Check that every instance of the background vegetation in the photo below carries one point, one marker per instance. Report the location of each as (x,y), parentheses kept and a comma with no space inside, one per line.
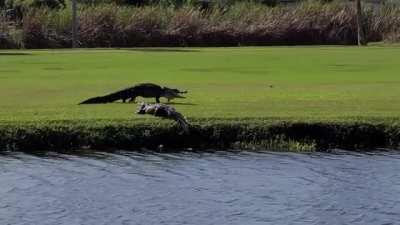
(234,24)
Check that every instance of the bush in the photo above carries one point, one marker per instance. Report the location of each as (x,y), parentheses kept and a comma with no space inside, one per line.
(25,4)
(40,30)
(4,32)
(204,134)
(21,6)
(100,27)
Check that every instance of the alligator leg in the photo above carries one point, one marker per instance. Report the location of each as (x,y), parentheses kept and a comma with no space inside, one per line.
(133,99)
(158,99)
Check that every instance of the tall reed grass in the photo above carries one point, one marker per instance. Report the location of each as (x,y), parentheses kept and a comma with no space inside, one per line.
(243,23)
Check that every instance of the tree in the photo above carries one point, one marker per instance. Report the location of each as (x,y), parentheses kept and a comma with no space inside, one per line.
(74,25)
(360,28)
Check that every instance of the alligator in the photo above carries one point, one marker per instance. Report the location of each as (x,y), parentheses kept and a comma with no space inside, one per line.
(164,111)
(147,90)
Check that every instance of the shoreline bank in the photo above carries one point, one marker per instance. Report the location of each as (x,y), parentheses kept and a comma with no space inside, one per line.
(212,134)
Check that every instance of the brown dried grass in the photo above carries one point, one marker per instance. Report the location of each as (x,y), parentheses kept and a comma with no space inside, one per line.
(110,25)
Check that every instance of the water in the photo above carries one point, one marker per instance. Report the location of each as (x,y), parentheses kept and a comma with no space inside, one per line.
(193,188)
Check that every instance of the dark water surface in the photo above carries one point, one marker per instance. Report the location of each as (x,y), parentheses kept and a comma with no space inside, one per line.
(192,188)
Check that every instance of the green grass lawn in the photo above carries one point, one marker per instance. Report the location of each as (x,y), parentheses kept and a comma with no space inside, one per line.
(254,82)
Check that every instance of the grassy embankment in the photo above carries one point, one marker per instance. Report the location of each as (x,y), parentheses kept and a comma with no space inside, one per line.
(282,98)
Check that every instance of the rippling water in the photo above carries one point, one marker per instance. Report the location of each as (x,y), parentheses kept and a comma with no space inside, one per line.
(193,188)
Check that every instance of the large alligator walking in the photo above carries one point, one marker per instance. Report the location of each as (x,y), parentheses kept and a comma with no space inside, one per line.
(164,111)
(146,90)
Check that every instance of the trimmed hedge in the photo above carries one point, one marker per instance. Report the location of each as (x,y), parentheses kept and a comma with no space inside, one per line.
(224,134)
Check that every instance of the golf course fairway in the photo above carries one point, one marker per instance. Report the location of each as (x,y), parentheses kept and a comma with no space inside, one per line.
(251,89)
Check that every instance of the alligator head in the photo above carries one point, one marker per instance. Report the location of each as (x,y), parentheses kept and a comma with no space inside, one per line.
(145,108)
(141,108)
(170,93)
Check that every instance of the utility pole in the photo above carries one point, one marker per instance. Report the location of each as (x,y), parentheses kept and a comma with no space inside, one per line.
(360,30)
(74,24)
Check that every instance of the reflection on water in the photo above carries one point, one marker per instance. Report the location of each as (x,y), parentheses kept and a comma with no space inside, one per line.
(194,188)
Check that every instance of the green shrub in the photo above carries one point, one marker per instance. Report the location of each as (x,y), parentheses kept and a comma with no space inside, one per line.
(44,28)
(22,5)
(218,134)
(54,4)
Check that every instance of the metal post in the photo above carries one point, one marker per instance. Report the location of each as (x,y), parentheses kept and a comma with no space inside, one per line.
(74,24)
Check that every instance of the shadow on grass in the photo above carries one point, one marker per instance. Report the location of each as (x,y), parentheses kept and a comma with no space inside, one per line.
(14,54)
(54,68)
(162,50)
(149,102)
(138,103)
(9,71)
(179,103)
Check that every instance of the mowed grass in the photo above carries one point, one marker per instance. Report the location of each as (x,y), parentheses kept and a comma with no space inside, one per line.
(252,82)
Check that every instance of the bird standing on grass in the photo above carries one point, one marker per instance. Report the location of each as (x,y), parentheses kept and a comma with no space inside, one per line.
(164,111)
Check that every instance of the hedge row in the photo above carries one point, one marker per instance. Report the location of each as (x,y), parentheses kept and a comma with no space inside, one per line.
(165,136)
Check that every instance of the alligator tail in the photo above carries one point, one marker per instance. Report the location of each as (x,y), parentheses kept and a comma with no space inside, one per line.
(103,99)
(183,123)
(95,100)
